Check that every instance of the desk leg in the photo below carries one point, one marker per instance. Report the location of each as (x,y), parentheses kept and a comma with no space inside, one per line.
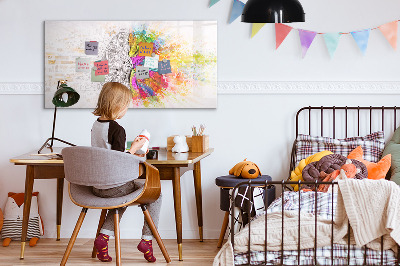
(60,190)
(176,182)
(27,206)
(199,204)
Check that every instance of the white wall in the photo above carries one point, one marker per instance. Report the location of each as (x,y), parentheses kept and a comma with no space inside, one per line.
(257,127)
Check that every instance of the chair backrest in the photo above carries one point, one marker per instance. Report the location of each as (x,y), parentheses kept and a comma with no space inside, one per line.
(92,166)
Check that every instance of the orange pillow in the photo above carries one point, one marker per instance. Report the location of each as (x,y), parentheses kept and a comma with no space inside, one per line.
(375,170)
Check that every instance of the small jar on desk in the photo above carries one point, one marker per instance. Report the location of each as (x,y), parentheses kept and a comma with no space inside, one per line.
(228,182)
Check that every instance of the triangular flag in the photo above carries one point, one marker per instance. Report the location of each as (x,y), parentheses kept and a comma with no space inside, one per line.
(332,41)
(237,9)
(255,28)
(213,2)
(281,31)
(306,39)
(390,32)
(361,37)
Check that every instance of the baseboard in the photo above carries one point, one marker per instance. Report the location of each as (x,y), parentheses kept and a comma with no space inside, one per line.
(258,87)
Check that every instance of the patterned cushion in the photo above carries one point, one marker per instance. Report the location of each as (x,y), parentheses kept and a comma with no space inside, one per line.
(372,144)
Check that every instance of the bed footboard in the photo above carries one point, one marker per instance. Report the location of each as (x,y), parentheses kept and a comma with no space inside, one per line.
(379,257)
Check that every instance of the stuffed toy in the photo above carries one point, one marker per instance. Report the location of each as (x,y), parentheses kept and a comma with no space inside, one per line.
(13,215)
(245,169)
(296,174)
(180,144)
(375,170)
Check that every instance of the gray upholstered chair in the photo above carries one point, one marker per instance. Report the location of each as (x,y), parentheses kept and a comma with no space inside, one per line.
(85,167)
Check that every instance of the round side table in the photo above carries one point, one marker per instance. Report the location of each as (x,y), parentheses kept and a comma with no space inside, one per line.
(228,182)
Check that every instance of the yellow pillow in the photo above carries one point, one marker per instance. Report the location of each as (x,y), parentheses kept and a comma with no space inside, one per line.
(296,174)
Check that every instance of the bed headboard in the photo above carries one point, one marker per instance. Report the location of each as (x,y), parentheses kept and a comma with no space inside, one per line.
(347,116)
(344,121)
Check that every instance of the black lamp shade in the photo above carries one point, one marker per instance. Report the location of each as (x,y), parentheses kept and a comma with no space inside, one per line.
(273,11)
(60,101)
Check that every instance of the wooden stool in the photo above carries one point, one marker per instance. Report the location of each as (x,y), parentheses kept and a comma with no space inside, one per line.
(226,183)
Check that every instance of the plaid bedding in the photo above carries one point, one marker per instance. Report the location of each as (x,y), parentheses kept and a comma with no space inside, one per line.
(372,145)
(324,257)
(323,207)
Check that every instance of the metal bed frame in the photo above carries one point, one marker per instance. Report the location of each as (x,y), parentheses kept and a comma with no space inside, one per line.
(283,184)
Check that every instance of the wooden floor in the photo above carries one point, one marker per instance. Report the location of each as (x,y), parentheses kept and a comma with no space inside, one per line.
(50,252)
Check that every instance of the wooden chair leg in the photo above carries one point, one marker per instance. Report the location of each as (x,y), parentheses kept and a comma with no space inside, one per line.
(154,230)
(223,229)
(73,237)
(117,239)
(101,222)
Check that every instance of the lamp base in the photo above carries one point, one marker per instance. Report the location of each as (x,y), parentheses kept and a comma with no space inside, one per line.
(50,146)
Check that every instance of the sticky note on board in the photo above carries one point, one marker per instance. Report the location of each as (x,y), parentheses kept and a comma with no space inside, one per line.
(82,65)
(145,48)
(100,78)
(91,48)
(102,67)
(151,61)
(142,72)
(164,67)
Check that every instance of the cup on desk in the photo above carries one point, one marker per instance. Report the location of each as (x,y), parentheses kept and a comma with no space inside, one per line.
(152,155)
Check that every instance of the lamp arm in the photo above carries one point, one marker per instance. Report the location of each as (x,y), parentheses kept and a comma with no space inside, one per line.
(54,126)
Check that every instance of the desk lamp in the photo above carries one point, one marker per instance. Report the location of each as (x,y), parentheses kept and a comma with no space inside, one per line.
(63,97)
(273,11)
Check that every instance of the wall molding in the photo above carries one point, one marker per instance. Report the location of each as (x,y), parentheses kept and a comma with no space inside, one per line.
(22,88)
(259,87)
(309,87)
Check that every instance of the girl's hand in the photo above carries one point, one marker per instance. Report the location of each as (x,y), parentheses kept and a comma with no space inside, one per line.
(137,144)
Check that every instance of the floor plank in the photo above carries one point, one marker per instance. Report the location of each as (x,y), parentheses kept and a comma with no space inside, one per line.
(49,252)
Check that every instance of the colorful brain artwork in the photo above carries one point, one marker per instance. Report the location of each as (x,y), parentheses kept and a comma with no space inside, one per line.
(156,86)
(166,64)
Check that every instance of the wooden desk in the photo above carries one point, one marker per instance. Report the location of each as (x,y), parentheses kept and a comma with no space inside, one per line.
(171,167)
(40,167)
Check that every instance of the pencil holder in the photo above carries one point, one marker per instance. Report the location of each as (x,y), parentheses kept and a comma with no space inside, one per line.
(200,143)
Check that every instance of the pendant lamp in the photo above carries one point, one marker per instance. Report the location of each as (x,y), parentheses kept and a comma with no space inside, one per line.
(272,11)
(64,96)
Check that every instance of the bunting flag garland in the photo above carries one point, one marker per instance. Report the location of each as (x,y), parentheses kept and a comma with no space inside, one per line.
(281,31)
(389,30)
(332,41)
(361,37)
(237,8)
(255,28)
(306,39)
(213,2)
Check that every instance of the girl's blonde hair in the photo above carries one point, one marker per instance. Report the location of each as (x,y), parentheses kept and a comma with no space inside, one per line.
(113,98)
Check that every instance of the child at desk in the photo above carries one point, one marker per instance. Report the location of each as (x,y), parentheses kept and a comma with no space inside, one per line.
(112,104)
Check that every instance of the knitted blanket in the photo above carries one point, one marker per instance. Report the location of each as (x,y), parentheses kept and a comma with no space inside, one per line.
(274,235)
(371,207)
